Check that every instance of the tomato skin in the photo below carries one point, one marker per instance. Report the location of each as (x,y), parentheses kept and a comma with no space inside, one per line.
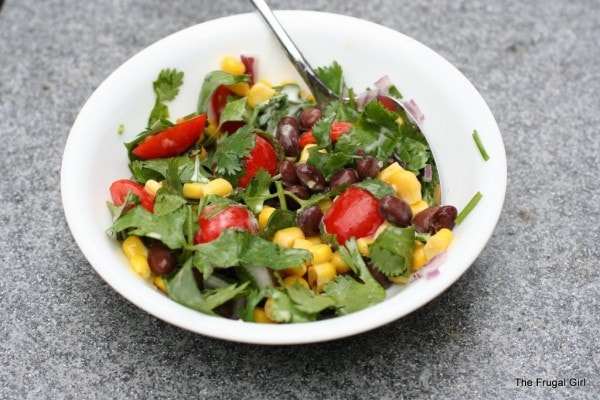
(353,213)
(122,187)
(218,100)
(233,216)
(337,129)
(388,104)
(263,155)
(171,141)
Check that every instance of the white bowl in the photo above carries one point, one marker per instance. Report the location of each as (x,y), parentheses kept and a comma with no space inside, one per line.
(95,156)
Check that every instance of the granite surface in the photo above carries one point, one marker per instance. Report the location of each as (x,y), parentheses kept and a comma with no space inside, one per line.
(527,309)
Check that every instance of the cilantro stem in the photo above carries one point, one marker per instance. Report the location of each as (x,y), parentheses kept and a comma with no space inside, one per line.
(468,208)
(281,195)
(479,144)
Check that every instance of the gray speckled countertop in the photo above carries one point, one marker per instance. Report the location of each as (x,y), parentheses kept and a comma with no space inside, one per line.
(528,307)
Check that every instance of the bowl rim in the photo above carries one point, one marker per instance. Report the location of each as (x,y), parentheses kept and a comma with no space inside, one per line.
(169,311)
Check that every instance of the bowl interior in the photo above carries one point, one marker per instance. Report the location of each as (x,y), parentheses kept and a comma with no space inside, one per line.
(95,156)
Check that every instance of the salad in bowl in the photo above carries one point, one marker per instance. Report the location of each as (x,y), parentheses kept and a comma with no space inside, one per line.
(239,209)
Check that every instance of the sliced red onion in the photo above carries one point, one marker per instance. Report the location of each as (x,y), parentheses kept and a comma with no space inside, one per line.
(366,97)
(262,276)
(248,62)
(427,173)
(383,84)
(414,111)
(431,269)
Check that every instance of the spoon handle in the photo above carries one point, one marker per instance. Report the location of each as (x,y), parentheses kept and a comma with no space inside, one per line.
(321,92)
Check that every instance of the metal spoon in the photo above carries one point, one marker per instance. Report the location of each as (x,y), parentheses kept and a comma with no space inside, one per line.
(319,90)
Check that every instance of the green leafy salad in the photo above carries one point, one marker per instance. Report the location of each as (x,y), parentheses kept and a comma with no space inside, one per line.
(261,205)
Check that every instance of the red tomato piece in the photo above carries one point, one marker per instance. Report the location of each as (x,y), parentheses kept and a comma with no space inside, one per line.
(233,216)
(306,138)
(122,187)
(172,141)
(263,155)
(353,213)
(218,101)
(388,104)
(339,128)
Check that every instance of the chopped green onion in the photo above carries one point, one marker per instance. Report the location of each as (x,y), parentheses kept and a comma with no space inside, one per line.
(468,208)
(121,129)
(477,139)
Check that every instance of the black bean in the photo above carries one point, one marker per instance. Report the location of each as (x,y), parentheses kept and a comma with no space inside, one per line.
(287,134)
(309,220)
(395,211)
(308,117)
(367,167)
(422,220)
(287,170)
(299,191)
(345,176)
(160,259)
(311,177)
(443,218)
(379,276)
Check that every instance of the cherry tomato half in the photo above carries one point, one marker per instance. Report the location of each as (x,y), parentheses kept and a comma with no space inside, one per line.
(172,141)
(263,155)
(233,216)
(353,213)
(122,187)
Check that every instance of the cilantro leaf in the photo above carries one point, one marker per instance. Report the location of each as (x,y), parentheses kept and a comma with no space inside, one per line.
(349,294)
(308,301)
(329,163)
(166,87)
(183,289)
(414,153)
(391,253)
(230,151)
(234,110)
(257,191)
(212,81)
(167,228)
(284,309)
(376,187)
(321,131)
(332,77)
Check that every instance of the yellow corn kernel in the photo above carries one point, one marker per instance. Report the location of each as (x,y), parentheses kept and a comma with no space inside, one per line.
(363,245)
(291,281)
(152,186)
(160,284)
(232,65)
(398,280)
(314,239)
(212,129)
(320,274)
(388,171)
(321,253)
(240,88)
(418,207)
(418,256)
(140,266)
(218,186)
(325,205)
(133,246)
(261,317)
(338,262)
(258,93)
(285,237)
(438,243)
(193,190)
(203,154)
(407,186)
(269,309)
(264,215)
(302,244)
(294,271)
(266,83)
